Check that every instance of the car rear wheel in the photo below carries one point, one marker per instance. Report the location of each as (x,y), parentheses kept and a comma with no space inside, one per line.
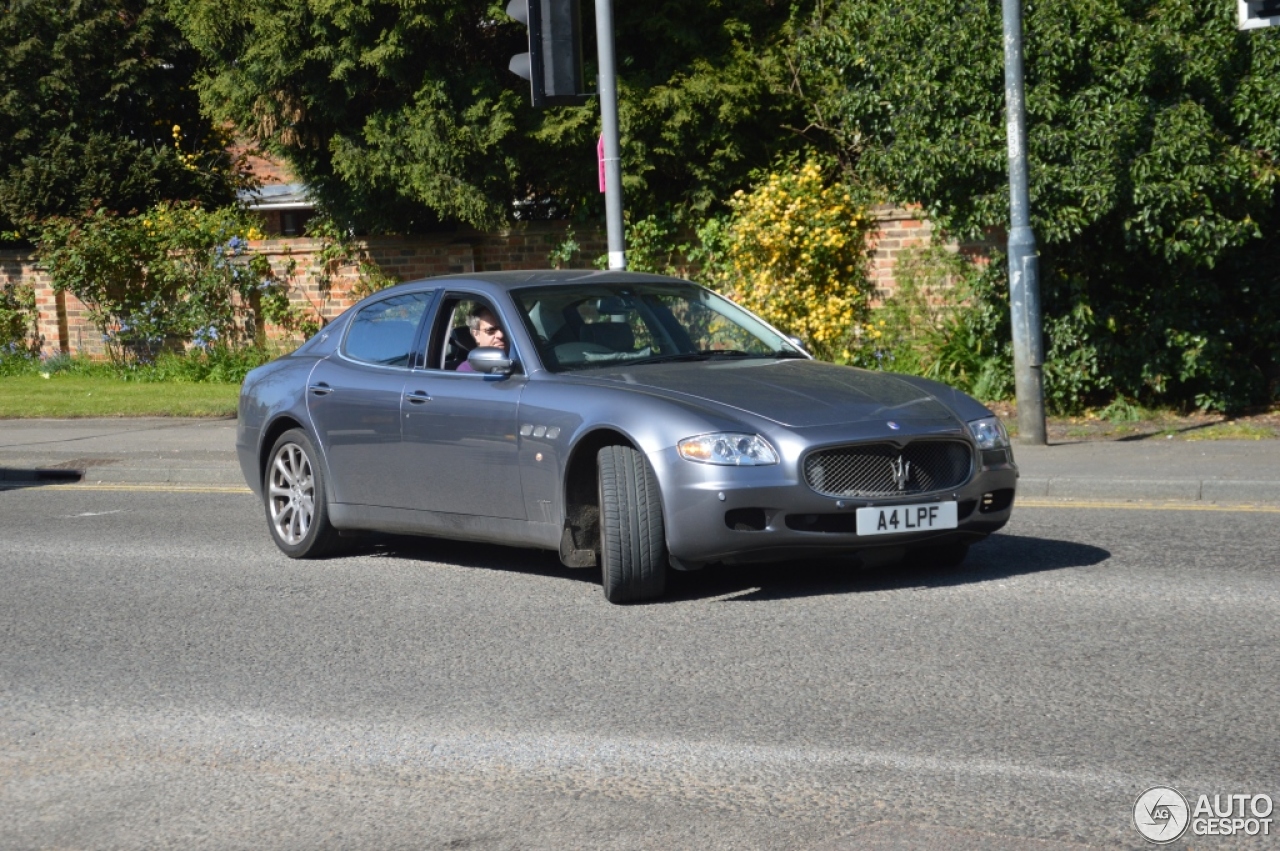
(633,542)
(294,492)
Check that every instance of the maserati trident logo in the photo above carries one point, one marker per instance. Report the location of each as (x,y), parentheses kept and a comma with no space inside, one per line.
(901,472)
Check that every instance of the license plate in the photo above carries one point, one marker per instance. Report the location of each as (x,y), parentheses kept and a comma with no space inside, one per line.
(896,519)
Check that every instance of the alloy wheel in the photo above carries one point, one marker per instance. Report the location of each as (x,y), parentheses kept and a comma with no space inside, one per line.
(291,493)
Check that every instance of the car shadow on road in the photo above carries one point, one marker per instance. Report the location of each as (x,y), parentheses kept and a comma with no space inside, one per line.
(12,478)
(471,554)
(999,557)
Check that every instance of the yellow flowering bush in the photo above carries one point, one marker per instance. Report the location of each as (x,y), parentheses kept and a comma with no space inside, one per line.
(795,252)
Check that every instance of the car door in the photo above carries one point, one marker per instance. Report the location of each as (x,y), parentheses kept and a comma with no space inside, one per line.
(354,398)
(460,431)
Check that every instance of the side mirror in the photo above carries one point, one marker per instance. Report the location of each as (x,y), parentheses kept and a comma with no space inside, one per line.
(489,360)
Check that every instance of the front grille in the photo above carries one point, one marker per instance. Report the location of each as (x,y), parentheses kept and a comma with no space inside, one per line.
(882,469)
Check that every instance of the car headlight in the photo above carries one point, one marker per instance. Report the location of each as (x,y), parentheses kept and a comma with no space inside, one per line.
(742,450)
(990,433)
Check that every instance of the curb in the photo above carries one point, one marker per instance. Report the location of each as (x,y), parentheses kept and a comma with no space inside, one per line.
(163,475)
(1177,490)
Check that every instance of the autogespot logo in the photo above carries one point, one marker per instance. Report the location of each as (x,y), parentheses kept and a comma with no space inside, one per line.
(1160,814)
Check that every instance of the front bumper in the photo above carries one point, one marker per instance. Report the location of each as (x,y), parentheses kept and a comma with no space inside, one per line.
(749,514)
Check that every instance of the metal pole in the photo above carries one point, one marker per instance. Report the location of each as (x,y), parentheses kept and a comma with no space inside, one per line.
(609,128)
(1024,264)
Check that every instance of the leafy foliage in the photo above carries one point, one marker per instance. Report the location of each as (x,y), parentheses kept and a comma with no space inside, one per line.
(701,107)
(402,116)
(96,112)
(1154,128)
(339,248)
(158,280)
(654,244)
(947,320)
(794,251)
(215,364)
(17,318)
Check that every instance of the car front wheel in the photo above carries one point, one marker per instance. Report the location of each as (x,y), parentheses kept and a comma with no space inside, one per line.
(633,543)
(294,492)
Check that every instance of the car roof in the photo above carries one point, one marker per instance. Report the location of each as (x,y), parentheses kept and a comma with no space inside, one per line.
(537,277)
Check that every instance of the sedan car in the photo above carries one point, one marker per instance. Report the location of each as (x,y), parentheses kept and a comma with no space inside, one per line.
(635,422)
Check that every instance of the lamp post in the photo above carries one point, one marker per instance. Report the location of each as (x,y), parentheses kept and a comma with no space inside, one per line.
(612,160)
(1024,263)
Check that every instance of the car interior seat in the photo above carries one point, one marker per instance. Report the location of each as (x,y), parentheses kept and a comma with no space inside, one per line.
(614,336)
(458,347)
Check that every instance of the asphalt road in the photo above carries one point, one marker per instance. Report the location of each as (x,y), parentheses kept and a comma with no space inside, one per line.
(168,680)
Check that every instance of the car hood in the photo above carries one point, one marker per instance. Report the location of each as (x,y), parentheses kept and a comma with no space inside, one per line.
(793,393)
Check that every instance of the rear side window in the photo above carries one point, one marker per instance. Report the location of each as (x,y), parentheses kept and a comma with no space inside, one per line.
(382,333)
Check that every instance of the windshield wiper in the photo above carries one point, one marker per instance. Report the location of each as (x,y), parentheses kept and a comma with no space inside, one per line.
(738,353)
(709,354)
(669,358)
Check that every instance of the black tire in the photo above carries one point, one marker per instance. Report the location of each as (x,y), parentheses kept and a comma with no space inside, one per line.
(294,494)
(633,540)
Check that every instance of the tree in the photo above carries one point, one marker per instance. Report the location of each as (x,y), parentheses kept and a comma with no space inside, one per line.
(701,109)
(96,112)
(1154,130)
(403,116)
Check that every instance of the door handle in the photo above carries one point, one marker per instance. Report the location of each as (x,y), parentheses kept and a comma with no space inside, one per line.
(320,389)
(417,397)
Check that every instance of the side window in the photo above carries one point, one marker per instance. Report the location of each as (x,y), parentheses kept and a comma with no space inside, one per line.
(452,339)
(382,333)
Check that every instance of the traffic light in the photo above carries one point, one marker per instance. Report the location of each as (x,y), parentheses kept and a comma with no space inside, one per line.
(1255,14)
(553,65)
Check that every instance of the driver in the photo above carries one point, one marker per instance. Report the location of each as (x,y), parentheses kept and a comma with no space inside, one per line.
(486,331)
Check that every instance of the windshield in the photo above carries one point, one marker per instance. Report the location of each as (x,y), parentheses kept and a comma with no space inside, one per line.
(601,324)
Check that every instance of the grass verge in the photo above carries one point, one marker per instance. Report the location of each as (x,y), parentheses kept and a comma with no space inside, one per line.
(1153,425)
(29,396)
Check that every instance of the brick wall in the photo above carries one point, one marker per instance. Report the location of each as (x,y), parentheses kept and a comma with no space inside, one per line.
(408,258)
(19,267)
(899,230)
(64,325)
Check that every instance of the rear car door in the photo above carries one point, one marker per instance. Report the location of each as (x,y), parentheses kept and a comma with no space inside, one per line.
(354,398)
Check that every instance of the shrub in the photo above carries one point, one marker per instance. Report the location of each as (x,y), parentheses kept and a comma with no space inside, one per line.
(215,364)
(339,248)
(170,276)
(794,250)
(18,334)
(948,320)
(1153,140)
